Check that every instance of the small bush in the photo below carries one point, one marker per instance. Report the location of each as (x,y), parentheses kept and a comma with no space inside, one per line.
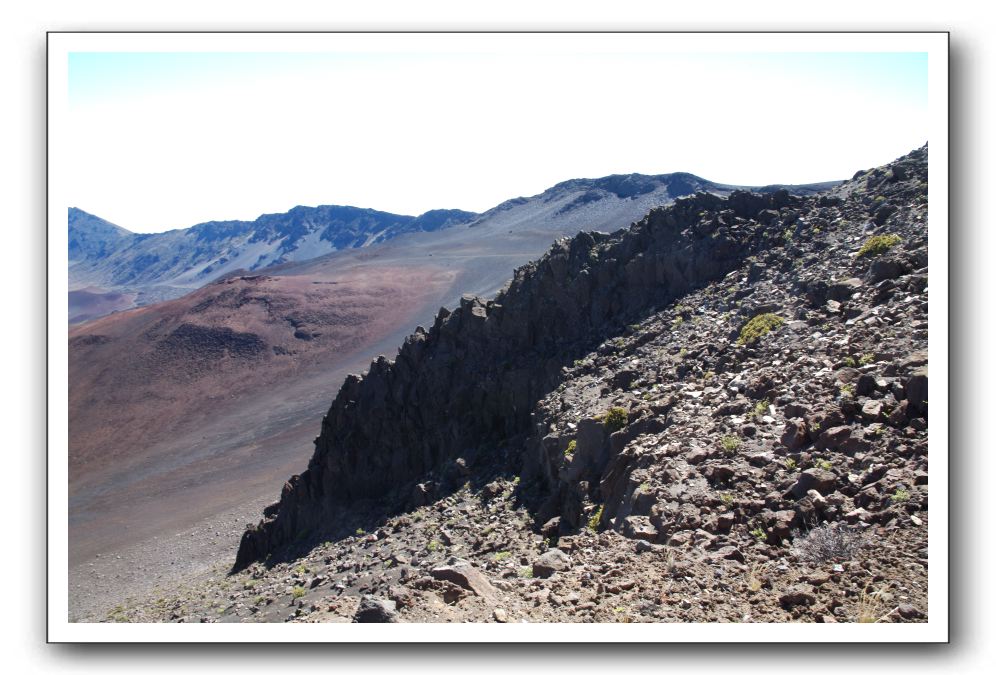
(502,556)
(595,520)
(880,243)
(615,419)
(730,444)
(755,577)
(571,447)
(901,496)
(298,591)
(761,408)
(758,327)
(871,606)
(826,544)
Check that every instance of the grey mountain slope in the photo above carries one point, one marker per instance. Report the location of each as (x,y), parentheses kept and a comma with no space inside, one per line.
(91,237)
(189,258)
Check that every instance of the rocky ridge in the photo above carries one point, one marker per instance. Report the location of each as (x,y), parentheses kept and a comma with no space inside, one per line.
(613,438)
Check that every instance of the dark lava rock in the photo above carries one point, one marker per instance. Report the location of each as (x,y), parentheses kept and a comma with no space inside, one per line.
(376,610)
(813,479)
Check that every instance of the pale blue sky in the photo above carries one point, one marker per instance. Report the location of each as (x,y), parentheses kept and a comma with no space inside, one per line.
(166,140)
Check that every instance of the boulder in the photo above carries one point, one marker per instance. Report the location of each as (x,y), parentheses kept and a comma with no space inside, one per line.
(376,610)
(550,562)
(813,479)
(799,594)
(639,527)
(465,575)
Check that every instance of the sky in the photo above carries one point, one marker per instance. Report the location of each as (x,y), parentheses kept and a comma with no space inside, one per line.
(164,140)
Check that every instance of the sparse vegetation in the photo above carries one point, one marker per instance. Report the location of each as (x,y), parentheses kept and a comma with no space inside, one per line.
(827,543)
(595,519)
(760,409)
(758,327)
(866,359)
(502,556)
(755,580)
(901,496)
(298,592)
(871,606)
(878,244)
(730,444)
(759,533)
(790,464)
(571,447)
(526,572)
(615,419)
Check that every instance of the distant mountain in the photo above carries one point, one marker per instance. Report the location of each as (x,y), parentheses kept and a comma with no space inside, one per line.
(141,269)
(109,257)
(93,238)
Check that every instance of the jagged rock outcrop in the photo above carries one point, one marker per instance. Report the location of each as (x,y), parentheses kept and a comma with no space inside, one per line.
(467,385)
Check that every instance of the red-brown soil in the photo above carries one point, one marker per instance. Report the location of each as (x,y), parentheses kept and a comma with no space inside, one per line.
(194,405)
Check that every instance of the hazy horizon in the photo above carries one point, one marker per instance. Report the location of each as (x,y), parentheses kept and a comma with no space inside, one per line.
(164,140)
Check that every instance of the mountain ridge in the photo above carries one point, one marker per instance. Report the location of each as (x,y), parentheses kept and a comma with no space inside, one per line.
(153,267)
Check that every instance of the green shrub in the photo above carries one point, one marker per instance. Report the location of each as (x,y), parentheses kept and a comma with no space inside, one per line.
(758,327)
(880,243)
(615,419)
(571,447)
(501,556)
(761,408)
(298,591)
(730,444)
(595,519)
